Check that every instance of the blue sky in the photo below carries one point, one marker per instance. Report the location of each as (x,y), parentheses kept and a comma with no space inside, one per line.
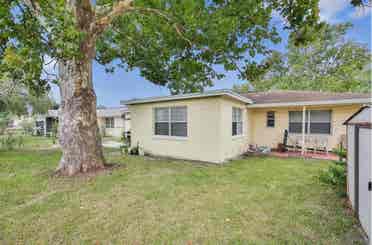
(111,88)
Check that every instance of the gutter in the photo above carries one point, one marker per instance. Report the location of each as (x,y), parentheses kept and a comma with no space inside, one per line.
(309,103)
(211,93)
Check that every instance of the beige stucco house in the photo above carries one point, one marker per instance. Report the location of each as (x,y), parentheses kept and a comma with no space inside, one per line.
(215,126)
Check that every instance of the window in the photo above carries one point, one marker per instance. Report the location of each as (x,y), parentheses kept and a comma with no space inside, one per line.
(316,122)
(127,116)
(270,119)
(109,122)
(171,121)
(237,121)
(320,122)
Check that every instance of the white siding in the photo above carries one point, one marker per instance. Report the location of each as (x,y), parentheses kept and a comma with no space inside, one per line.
(350,163)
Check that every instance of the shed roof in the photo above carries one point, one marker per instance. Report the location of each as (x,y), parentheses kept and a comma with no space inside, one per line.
(362,117)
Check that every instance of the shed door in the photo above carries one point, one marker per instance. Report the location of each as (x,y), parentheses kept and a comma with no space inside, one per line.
(350,163)
(364,177)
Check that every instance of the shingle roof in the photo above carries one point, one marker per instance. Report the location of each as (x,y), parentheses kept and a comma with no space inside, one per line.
(208,93)
(287,96)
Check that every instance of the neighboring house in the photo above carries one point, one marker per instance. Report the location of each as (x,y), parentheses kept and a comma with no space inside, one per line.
(114,121)
(215,126)
(111,121)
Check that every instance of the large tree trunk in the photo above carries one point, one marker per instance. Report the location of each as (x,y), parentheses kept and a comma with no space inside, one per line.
(78,133)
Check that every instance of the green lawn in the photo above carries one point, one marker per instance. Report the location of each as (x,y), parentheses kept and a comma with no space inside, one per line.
(145,201)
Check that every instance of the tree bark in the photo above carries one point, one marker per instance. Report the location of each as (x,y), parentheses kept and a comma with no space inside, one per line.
(78,133)
(78,128)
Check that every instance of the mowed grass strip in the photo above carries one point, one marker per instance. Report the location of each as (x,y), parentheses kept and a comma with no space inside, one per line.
(147,201)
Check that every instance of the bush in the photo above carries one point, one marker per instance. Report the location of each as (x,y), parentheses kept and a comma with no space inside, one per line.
(10,141)
(28,126)
(4,120)
(335,176)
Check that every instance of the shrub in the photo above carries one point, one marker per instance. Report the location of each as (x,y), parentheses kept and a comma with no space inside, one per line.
(8,141)
(28,126)
(4,120)
(335,176)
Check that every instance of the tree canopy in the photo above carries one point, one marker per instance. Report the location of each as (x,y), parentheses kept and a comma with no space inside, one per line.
(16,99)
(173,43)
(329,63)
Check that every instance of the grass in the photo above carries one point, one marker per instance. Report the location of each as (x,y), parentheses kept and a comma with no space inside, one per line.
(147,201)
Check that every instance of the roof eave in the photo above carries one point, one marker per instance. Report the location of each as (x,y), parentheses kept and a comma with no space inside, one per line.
(188,96)
(308,103)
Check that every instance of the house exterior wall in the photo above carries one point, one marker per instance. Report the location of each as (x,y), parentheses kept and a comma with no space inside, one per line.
(233,146)
(265,136)
(203,130)
(117,131)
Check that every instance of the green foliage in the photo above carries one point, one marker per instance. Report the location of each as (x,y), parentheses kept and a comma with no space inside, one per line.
(54,132)
(10,141)
(173,43)
(4,120)
(335,176)
(28,126)
(329,63)
(341,152)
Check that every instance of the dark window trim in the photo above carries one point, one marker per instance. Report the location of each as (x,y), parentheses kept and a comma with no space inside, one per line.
(270,119)
(110,123)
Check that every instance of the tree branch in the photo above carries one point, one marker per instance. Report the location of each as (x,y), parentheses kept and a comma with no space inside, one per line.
(118,9)
(123,7)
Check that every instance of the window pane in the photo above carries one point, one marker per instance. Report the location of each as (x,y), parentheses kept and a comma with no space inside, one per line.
(109,122)
(161,114)
(179,129)
(297,128)
(161,128)
(239,129)
(178,114)
(234,128)
(295,116)
(237,115)
(320,128)
(270,121)
(320,116)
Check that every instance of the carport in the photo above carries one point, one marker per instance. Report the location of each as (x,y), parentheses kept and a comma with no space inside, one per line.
(359,170)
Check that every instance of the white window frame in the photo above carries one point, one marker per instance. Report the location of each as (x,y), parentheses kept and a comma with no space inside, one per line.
(112,123)
(241,122)
(308,122)
(169,121)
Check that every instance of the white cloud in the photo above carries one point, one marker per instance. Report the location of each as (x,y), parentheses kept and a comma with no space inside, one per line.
(360,12)
(329,9)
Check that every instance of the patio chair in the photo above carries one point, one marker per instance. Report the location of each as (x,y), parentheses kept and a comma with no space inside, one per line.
(292,143)
(323,144)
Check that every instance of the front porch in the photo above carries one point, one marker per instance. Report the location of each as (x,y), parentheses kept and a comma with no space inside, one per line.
(310,155)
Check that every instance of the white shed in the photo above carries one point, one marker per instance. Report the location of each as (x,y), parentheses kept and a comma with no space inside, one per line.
(359,166)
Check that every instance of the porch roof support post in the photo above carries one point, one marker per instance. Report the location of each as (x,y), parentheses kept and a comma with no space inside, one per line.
(303,129)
